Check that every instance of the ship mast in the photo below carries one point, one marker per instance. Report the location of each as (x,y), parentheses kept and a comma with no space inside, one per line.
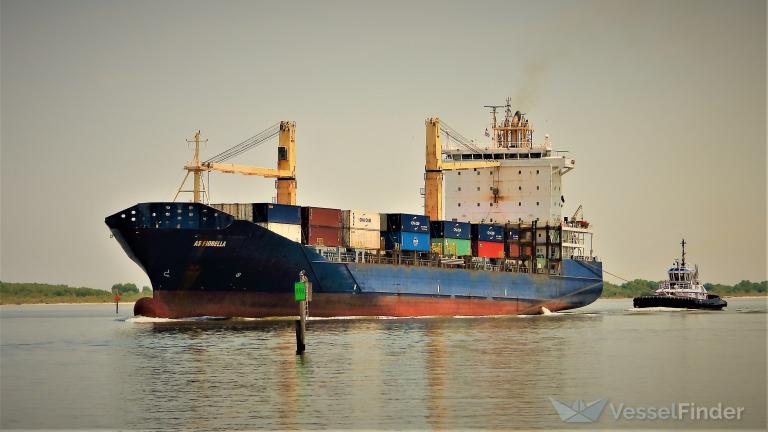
(196,169)
(682,243)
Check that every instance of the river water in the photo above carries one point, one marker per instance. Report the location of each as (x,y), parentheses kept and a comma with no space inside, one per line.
(82,366)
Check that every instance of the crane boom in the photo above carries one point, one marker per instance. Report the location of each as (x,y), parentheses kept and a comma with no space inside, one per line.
(285,173)
(247,170)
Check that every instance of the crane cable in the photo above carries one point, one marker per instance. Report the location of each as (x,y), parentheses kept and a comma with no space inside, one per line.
(616,276)
(459,138)
(254,141)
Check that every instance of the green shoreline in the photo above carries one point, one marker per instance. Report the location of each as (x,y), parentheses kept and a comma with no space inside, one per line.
(22,293)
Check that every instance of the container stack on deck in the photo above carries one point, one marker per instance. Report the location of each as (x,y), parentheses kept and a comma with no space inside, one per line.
(321,226)
(240,211)
(279,218)
(407,232)
(361,230)
(487,241)
(525,246)
(451,238)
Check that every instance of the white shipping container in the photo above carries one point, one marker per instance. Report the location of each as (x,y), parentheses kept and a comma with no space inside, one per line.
(360,219)
(289,231)
(361,238)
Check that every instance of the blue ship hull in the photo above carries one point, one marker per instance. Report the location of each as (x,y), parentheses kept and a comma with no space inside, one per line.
(224,267)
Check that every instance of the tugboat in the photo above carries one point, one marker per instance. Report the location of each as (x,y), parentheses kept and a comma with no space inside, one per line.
(683,290)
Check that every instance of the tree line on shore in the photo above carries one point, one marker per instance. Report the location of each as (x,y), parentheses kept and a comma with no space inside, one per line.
(32,292)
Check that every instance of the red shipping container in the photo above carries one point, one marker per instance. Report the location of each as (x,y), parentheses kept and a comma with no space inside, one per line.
(318,216)
(514,250)
(321,236)
(484,249)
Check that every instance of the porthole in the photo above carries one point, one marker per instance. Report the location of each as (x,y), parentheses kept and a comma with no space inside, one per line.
(478,204)
(122,215)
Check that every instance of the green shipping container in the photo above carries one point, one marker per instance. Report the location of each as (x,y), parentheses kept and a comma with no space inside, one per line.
(449,246)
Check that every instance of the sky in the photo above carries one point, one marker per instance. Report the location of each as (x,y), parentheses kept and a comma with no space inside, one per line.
(661,103)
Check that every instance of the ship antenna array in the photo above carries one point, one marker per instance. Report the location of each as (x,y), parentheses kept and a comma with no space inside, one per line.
(254,141)
(459,138)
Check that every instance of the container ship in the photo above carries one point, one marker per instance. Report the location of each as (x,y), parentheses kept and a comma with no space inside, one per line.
(492,239)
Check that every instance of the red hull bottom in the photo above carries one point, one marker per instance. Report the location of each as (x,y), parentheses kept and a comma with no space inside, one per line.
(181,304)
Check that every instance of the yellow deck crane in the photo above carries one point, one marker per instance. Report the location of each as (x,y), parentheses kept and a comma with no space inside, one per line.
(285,173)
(435,165)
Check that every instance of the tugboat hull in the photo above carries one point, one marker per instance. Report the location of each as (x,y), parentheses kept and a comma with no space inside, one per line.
(713,302)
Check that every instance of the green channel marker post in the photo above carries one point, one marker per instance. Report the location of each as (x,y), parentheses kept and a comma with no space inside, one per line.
(303,295)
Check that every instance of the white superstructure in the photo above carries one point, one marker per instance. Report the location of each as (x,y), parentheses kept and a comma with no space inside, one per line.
(526,186)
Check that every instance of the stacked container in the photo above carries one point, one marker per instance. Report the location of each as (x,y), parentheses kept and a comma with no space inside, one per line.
(518,239)
(243,211)
(361,230)
(451,238)
(488,241)
(321,226)
(406,232)
(279,218)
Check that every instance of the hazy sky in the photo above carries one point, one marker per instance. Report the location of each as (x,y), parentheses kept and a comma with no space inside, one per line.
(662,104)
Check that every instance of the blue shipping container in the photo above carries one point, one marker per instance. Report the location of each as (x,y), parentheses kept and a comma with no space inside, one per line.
(277,213)
(450,229)
(488,233)
(408,241)
(407,223)
(513,234)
